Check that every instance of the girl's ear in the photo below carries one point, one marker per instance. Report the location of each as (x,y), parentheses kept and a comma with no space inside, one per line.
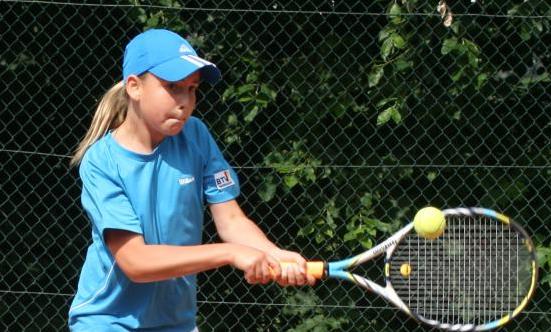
(133,87)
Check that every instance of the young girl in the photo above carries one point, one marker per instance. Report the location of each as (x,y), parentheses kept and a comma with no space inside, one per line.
(147,167)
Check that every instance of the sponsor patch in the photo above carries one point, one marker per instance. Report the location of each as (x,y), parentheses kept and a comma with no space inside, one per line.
(223,179)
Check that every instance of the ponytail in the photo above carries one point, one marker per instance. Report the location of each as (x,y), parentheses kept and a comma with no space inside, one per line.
(110,114)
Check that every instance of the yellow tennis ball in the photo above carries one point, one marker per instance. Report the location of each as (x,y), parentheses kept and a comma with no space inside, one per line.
(429,222)
(405,270)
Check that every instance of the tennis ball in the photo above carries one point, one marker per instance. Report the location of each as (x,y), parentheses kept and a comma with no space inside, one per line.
(429,222)
(405,270)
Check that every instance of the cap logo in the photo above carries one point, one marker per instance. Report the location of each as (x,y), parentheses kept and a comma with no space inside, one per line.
(185,49)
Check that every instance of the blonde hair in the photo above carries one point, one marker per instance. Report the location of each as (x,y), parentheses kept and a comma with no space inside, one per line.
(110,114)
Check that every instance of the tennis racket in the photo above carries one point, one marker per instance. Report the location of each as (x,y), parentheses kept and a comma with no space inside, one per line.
(477,276)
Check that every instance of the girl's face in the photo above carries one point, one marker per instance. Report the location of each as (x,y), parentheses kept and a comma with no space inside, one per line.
(166,106)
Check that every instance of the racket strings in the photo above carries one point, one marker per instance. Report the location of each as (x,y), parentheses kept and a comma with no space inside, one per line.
(477,272)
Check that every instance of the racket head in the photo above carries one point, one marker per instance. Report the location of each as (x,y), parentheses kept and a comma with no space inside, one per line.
(477,276)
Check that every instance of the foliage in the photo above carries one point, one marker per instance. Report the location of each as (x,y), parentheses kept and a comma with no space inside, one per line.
(307,304)
(544,261)
(394,86)
(253,95)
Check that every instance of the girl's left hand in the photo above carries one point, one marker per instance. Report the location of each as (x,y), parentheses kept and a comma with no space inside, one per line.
(292,274)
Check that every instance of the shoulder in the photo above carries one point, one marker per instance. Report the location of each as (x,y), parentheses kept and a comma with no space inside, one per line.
(197,132)
(194,126)
(98,157)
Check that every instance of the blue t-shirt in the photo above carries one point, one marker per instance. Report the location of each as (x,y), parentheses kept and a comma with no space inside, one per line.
(161,196)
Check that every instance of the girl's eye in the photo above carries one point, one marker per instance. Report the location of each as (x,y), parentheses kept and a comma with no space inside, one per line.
(178,88)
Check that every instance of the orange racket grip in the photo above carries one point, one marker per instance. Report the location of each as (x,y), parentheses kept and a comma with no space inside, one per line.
(315,269)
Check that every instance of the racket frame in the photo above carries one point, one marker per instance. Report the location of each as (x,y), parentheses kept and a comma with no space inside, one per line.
(339,270)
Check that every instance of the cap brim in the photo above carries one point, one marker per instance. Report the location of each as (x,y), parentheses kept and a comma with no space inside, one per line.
(179,68)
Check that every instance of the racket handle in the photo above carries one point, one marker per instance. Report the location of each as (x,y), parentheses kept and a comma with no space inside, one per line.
(316,269)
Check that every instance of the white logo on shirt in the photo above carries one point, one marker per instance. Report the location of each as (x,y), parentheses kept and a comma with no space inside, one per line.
(223,179)
(186,180)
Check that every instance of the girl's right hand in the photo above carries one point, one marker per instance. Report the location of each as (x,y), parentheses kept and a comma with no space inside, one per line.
(258,266)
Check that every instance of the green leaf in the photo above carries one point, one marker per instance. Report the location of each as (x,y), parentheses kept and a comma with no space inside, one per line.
(246,88)
(267,190)
(310,174)
(228,93)
(525,33)
(252,77)
(546,279)
(153,21)
(385,101)
(456,115)
(458,74)
(398,41)
(449,45)
(290,181)
(232,138)
(375,76)
(396,116)
(232,119)
(384,116)
(245,99)
(395,9)
(385,33)
(480,80)
(402,64)
(390,113)
(251,115)
(543,255)
(268,92)
(395,14)
(367,200)
(533,79)
(350,236)
(307,230)
(387,48)
(473,60)
(367,243)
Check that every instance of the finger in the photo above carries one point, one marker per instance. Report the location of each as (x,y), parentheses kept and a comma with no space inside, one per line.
(259,272)
(310,280)
(275,270)
(300,275)
(267,272)
(299,270)
(284,281)
(291,274)
(249,277)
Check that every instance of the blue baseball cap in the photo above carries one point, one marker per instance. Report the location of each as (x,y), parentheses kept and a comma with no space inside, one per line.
(166,55)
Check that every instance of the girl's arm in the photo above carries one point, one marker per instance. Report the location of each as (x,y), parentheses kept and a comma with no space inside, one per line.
(147,263)
(233,226)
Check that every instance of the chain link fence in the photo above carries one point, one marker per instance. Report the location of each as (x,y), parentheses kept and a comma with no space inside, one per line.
(342,118)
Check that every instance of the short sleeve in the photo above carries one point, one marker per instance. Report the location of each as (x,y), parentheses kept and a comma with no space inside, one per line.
(220,182)
(105,201)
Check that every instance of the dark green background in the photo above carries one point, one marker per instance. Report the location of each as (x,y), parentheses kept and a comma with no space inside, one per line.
(341,118)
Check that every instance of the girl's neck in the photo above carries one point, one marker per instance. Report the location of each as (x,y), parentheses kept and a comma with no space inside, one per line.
(136,136)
